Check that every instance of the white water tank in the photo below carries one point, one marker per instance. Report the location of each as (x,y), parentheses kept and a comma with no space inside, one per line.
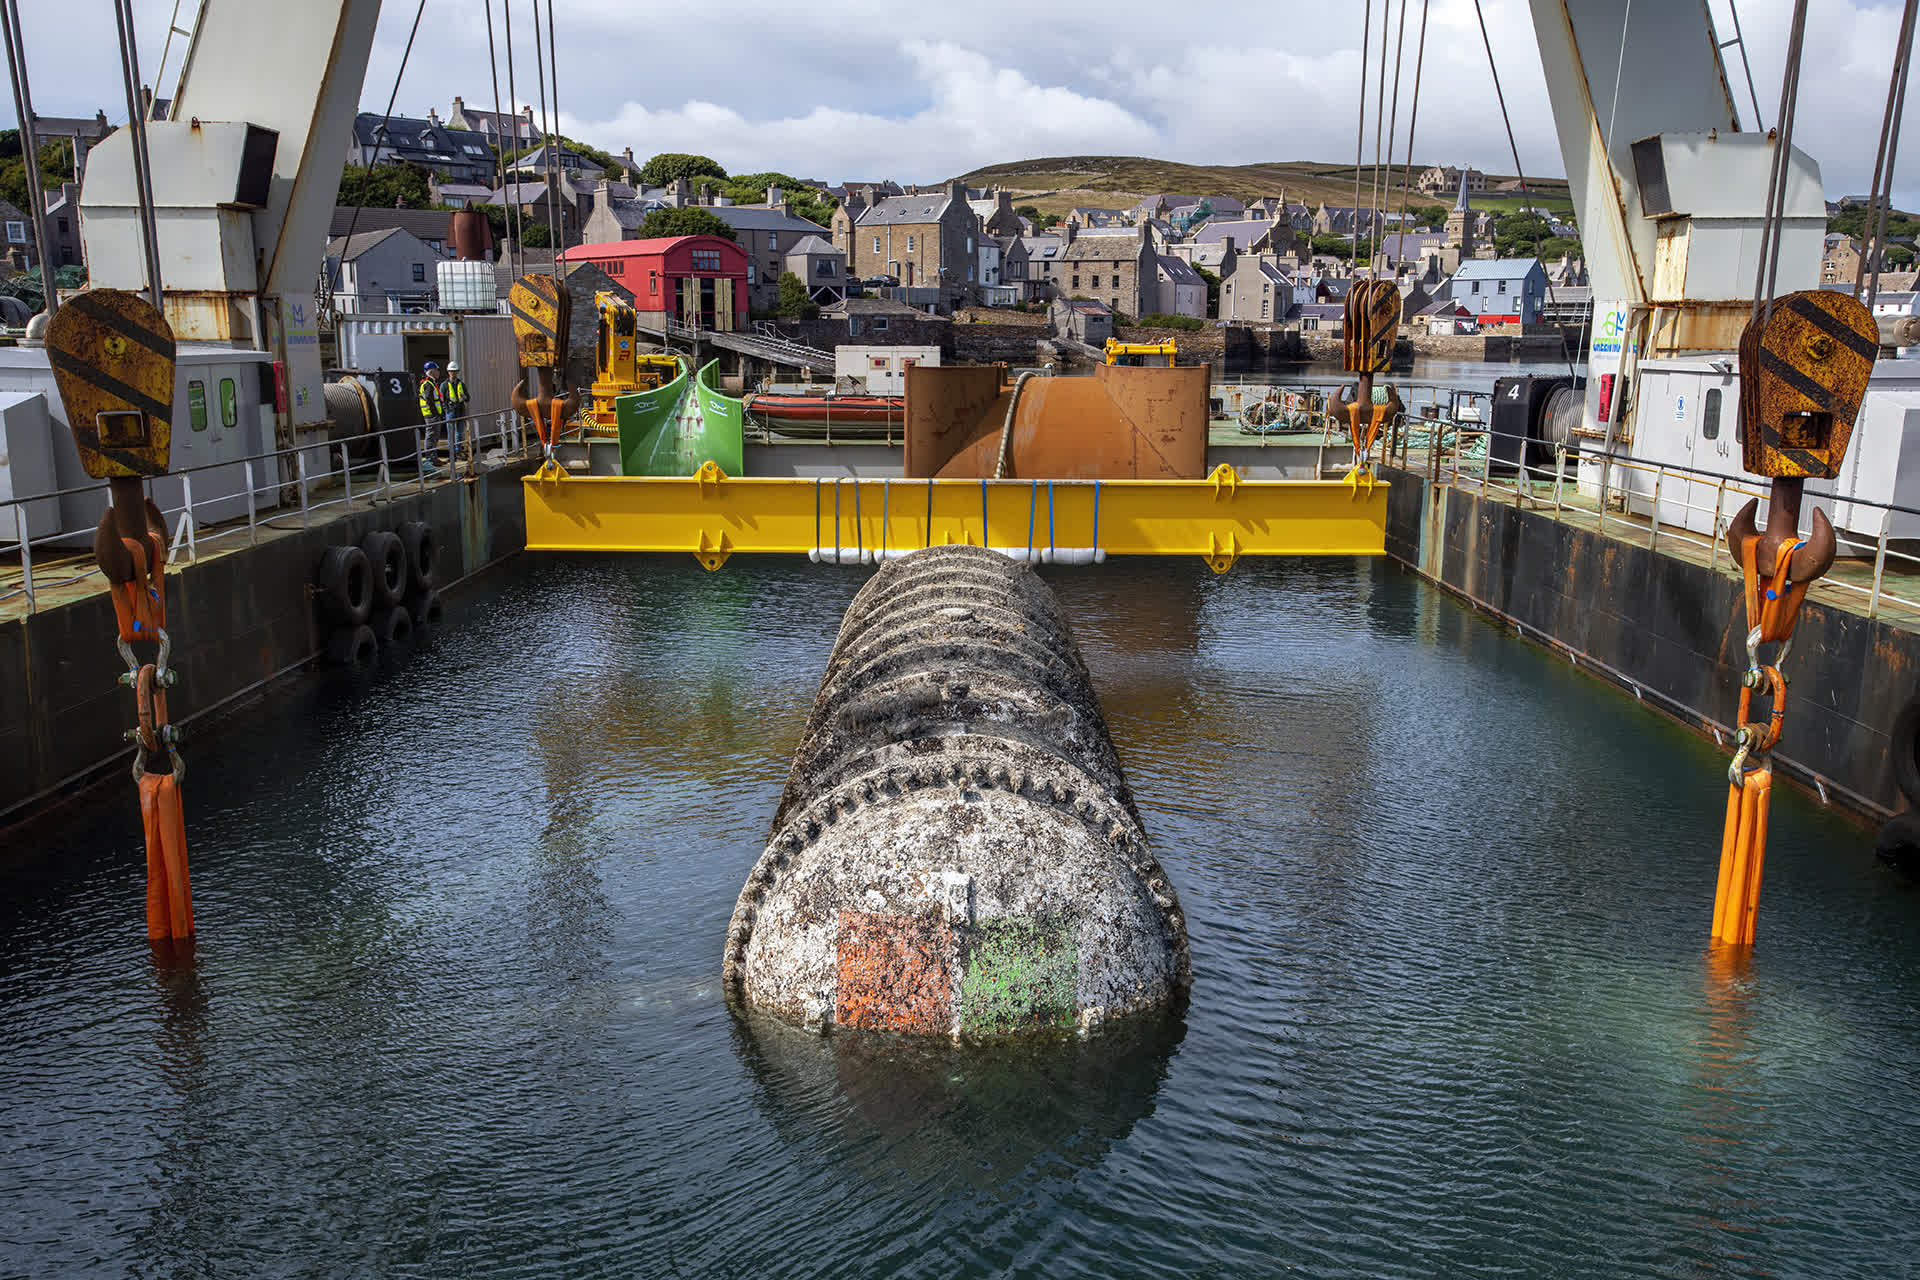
(466,286)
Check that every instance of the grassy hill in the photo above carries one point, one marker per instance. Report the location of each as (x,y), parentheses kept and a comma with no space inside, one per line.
(1058,183)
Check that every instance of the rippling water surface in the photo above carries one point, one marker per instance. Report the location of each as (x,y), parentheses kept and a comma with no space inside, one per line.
(457,1009)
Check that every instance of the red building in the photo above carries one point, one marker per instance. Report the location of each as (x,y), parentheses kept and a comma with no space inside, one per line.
(696,280)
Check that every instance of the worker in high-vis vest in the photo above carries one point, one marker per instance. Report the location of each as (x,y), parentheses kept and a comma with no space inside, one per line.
(433,410)
(453,395)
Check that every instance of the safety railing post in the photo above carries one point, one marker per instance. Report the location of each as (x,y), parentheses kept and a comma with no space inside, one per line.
(420,461)
(300,468)
(1879,563)
(1653,523)
(386,477)
(26,556)
(346,477)
(193,528)
(253,519)
(1486,464)
(1719,505)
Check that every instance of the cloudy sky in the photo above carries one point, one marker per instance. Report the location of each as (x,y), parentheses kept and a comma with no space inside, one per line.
(862,89)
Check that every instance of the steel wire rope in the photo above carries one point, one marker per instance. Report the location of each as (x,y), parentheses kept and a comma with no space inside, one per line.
(1500,96)
(517,218)
(500,145)
(1413,115)
(1360,134)
(333,278)
(1378,213)
(1379,118)
(553,73)
(1879,200)
(556,231)
(1767,272)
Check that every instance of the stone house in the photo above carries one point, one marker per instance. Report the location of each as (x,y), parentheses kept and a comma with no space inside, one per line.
(430,226)
(768,232)
(1260,291)
(389,270)
(994,208)
(1120,271)
(519,131)
(63,226)
(462,155)
(1444,179)
(820,266)
(1179,290)
(1501,290)
(16,235)
(1841,259)
(927,239)
(1248,235)
(1043,263)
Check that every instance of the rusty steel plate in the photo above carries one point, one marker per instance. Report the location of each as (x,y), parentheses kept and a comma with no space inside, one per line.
(1803,375)
(539,320)
(1372,324)
(112,354)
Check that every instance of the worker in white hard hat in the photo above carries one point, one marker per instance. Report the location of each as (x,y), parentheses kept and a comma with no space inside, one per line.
(453,391)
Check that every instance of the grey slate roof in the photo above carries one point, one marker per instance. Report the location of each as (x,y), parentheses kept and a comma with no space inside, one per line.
(347,248)
(1102,249)
(814,244)
(752,217)
(1042,248)
(421,141)
(1244,232)
(1497,268)
(428,224)
(907,210)
(1179,272)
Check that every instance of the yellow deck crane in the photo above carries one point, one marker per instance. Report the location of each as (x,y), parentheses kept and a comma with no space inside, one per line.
(619,369)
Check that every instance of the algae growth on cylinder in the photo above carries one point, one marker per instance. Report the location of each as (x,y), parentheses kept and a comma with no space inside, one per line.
(956,851)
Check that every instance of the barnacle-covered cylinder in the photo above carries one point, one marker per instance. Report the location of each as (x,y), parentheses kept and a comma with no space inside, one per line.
(956,851)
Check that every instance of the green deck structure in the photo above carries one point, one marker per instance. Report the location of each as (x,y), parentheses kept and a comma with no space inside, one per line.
(672,430)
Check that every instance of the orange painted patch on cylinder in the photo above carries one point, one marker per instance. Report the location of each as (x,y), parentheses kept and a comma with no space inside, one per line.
(893,973)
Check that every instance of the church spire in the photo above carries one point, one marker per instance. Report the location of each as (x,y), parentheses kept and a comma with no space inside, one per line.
(1461,203)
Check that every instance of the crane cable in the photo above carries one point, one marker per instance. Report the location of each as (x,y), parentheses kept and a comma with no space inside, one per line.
(1880,199)
(517,224)
(555,227)
(1379,119)
(1566,349)
(1360,133)
(1377,212)
(1767,273)
(500,146)
(553,72)
(1413,117)
(333,277)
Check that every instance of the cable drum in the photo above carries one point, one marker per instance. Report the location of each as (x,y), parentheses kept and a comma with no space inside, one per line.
(956,851)
(1561,415)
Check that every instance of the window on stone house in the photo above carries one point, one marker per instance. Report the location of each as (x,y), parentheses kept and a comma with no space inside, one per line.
(419,273)
(879,326)
(1076,282)
(773,239)
(63,230)
(1476,286)
(909,244)
(1264,304)
(1503,286)
(16,233)
(876,244)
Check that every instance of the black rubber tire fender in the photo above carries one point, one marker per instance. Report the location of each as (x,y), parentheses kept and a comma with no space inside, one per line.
(346,585)
(1904,748)
(416,538)
(392,626)
(350,645)
(426,608)
(1898,842)
(387,567)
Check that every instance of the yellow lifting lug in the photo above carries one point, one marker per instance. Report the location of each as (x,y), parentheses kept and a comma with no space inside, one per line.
(1222,554)
(713,553)
(709,475)
(1360,481)
(551,470)
(1224,480)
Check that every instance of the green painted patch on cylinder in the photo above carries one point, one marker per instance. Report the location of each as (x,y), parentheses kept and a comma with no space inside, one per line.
(1020,972)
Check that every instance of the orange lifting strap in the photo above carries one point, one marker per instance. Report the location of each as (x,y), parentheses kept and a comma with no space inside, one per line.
(1771,614)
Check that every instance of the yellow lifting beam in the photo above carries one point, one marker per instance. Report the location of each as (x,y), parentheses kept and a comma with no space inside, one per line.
(853,521)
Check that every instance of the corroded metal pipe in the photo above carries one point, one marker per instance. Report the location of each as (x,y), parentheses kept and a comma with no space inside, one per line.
(956,851)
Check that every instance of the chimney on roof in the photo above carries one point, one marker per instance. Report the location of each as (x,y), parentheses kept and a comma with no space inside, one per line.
(774,195)
(786,208)
(957,190)
(626,154)
(706,194)
(457,105)
(1066,233)
(433,116)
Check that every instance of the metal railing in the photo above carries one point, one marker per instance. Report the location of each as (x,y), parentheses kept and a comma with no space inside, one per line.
(1452,459)
(286,478)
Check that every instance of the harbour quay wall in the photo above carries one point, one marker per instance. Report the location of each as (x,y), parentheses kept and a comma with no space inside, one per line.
(1671,631)
(238,621)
